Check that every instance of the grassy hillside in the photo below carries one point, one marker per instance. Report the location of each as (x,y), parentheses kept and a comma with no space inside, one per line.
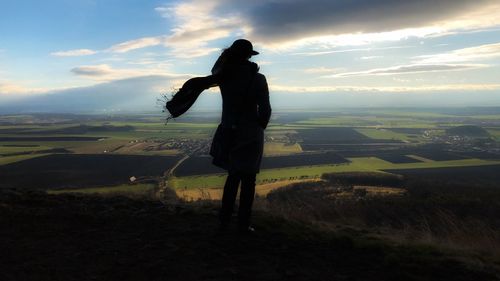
(75,237)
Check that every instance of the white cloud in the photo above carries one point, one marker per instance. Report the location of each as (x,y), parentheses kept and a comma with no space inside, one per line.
(320,53)
(136,44)
(321,70)
(196,26)
(386,89)
(12,89)
(408,69)
(147,61)
(450,61)
(193,52)
(104,72)
(370,57)
(74,53)
(476,53)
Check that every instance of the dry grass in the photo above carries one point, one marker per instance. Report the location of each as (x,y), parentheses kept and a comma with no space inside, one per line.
(445,229)
(190,195)
(458,224)
(262,190)
(137,191)
(277,149)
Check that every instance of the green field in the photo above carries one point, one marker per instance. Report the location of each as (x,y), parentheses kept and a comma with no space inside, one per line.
(495,133)
(11,159)
(385,134)
(361,164)
(10,149)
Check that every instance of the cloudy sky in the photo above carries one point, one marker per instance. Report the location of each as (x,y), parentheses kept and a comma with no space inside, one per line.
(124,53)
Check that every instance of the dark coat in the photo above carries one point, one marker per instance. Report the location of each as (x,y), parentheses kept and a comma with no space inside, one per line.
(239,140)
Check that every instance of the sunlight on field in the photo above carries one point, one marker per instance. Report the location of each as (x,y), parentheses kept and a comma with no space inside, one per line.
(495,133)
(384,134)
(378,164)
(370,191)
(136,190)
(216,193)
(11,159)
(199,194)
(265,176)
(369,163)
(206,181)
(338,121)
(419,158)
(21,149)
(381,190)
(274,148)
(288,127)
(411,114)
(103,146)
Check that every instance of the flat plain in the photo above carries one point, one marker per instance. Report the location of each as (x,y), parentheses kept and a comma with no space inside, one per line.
(96,152)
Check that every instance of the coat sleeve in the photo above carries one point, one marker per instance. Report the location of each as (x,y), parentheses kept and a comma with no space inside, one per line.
(264,106)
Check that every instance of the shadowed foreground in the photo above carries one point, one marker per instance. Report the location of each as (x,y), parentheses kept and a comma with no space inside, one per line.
(73,237)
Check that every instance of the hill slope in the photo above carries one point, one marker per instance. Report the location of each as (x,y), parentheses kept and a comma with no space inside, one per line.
(72,237)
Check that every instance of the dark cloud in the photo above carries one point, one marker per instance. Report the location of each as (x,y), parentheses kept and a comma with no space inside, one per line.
(282,20)
(92,70)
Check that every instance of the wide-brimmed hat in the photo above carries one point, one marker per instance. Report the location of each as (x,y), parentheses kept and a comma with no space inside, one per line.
(243,47)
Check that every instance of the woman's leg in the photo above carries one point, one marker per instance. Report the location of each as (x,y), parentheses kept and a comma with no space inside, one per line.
(246,200)
(228,197)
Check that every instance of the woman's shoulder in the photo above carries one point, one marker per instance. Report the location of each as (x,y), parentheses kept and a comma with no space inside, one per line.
(261,78)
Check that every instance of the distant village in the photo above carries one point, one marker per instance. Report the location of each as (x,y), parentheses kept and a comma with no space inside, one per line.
(479,140)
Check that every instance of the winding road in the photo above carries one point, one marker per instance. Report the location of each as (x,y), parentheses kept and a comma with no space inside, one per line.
(163,183)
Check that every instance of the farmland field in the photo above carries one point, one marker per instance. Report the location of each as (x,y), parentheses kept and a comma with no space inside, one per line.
(361,164)
(472,175)
(388,134)
(81,170)
(203,164)
(41,139)
(397,158)
(100,152)
(335,135)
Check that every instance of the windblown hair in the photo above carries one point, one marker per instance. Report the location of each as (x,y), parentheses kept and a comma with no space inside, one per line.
(229,57)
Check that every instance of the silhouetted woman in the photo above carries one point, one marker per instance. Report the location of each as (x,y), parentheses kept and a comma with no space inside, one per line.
(239,140)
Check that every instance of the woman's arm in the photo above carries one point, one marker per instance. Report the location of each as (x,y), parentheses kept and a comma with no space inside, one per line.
(264,106)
